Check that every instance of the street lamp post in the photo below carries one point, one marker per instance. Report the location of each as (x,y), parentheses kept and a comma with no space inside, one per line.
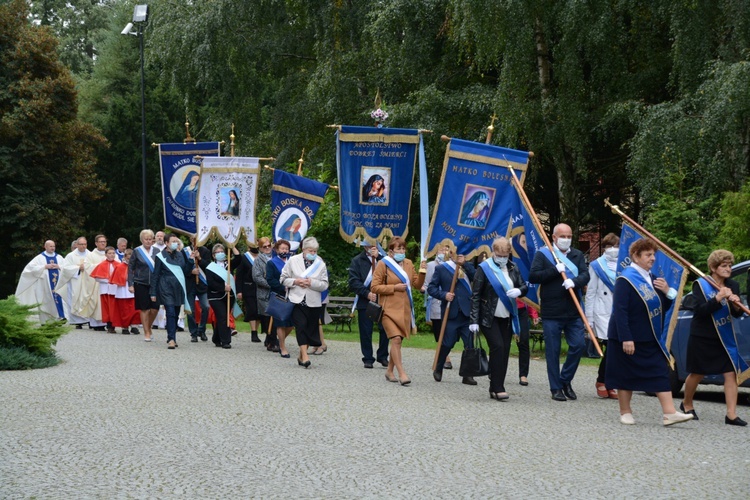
(140,16)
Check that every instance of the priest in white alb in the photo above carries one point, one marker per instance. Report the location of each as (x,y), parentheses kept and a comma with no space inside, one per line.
(38,281)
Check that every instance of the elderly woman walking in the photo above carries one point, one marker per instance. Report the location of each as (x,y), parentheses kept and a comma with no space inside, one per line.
(305,276)
(264,292)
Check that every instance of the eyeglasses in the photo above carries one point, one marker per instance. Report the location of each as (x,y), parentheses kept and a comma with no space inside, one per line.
(266,246)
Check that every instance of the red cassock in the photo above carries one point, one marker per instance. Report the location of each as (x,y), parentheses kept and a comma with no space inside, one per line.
(124,299)
(211,316)
(104,271)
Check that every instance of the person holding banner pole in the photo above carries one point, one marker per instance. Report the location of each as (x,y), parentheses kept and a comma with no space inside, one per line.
(637,356)
(171,270)
(497,285)
(455,317)
(434,314)
(263,293)
(197,288)
(273,273)
(392,282)
(140,275)
(361,272)
(599,303)
(248,291)
(221,289)
(550,269)
(712,336)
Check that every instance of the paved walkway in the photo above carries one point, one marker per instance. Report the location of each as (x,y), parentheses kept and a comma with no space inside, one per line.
(122,418)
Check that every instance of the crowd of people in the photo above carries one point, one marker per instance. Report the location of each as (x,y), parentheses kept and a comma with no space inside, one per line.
(111,288)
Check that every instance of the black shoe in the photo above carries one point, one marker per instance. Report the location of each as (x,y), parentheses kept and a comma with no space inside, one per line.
(523,382)
(368,364)
(79,327)
(448,365)
(255,338)
(203,337)
(98,328)
(437,375)
(180,329)
(558,395)
(217,344)
(383,362)
(193,338)
(469,381)
(226,346)
(692,412)
(125,331)
(134,330)
(736,421)
(569,392)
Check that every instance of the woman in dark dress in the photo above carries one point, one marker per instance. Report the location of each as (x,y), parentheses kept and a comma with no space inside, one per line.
(497,285)
(637,356)
(219,287)
(273,273)
(248,292)
(171,270)
(709,345)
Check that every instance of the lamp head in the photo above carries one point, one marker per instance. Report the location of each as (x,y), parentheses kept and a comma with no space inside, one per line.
(140,13)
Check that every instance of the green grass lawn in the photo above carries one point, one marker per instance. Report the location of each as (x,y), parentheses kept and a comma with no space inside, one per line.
(422,340)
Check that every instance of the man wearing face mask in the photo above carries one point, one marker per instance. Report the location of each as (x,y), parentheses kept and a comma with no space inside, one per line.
(360,277)
(434,315)
(559,313)
(458,317)
(171,270)
(603,272)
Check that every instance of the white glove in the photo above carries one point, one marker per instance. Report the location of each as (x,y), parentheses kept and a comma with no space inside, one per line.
(672,294)
(513,293)
(568,284)
(560,267)
(474,328)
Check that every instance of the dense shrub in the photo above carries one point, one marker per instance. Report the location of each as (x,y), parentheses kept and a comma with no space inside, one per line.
(19,334)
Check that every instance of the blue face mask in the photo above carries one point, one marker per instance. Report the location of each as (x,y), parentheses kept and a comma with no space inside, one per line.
(500,261)
(310,256)
(440,257)
(220,257)
(398,257)
(174,246)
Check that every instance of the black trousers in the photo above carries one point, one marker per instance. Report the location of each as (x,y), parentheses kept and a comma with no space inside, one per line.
(498,337)
(602,364)
(222,333)
(306,321)
(524,353)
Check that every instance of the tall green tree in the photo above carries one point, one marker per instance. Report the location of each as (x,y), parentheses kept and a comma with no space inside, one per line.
(47,155)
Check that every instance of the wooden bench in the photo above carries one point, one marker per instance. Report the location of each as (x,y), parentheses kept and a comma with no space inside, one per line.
(340,311)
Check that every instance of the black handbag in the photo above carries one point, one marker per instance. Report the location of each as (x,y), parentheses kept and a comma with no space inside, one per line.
(474,360)
(279,307)
(374,311)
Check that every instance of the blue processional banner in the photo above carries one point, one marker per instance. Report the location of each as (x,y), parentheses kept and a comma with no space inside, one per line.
(525,240)
(294,202)
(664,267)
(376,168)
(476,198)
(180,179)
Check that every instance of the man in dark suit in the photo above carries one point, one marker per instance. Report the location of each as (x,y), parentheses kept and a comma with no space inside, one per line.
(360,276)
(457,320)
(559,313)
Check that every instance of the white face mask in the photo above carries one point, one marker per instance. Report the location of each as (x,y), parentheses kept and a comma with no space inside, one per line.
(500,261)
(611,253)
(563,243)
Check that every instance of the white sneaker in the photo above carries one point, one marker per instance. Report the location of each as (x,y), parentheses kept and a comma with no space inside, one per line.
(676,418)
(627,419)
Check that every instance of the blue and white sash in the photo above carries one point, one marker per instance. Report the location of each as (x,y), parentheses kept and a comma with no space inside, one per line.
(722,320)
(651,301)
(146,256)
(606,275)
(178,273)
(394,266)
(221,272)
(276,261)
(54,276)
(368,280)
(120,255)
(500,284)
(249,258)
(464,280)
(313,267)
(572,268)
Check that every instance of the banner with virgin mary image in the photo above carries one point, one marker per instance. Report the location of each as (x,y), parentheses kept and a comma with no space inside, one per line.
(226,199)
(476,197)
(294,202)
(180,177)
(376,168)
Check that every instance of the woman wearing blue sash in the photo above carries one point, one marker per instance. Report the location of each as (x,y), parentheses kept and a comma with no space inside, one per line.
(497,285)
(140,275)
(273,273)
(264,292)
(712,337)
(171,269)
(392,281)
(219,288)
(636,356)
(599,303)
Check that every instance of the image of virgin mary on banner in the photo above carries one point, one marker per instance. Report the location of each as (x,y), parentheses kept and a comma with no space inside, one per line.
(376,169)
(180,176)
(476,197)
(525,241)
(226,199)
(664,267)
(294,202)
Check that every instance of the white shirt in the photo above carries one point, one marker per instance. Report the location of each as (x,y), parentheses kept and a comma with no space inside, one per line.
(500,310)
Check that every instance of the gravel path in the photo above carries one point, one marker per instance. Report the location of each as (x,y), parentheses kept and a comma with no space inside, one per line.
(122,418)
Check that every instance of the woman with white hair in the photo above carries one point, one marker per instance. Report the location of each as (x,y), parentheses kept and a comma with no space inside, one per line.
(305,276)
